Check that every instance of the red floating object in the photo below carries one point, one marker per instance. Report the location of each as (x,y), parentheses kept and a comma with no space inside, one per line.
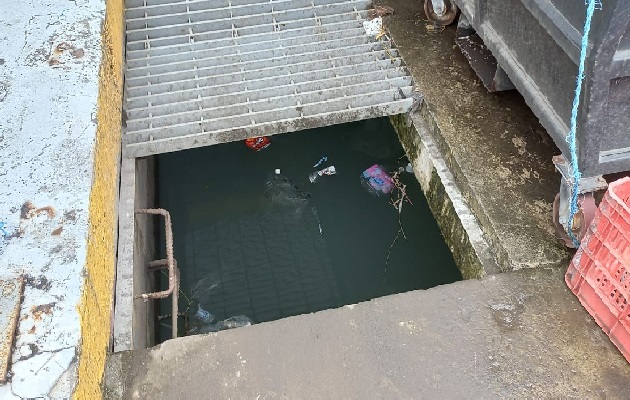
(258,143)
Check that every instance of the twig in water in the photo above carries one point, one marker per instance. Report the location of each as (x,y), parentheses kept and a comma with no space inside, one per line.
(401,193)
(391,246)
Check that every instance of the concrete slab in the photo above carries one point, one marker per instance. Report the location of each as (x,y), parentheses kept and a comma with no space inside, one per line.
(50,54)
(498,153)
(518,334)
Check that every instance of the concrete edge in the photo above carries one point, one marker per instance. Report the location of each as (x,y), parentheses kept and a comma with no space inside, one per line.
(95,307)
(458,225)
(500,254)
(123,311)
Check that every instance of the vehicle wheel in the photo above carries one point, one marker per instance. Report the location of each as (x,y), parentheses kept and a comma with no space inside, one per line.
(581,221)
(446,18)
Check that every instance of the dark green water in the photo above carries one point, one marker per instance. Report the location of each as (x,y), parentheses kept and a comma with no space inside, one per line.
(247,248)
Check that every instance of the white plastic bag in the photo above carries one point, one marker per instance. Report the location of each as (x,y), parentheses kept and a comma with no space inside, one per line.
(373,27)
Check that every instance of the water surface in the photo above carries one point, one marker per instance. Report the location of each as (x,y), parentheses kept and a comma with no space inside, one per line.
(247,244)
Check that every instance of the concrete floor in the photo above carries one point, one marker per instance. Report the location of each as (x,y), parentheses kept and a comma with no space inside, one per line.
(509,335)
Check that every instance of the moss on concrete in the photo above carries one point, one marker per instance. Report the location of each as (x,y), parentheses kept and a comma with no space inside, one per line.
(440,204)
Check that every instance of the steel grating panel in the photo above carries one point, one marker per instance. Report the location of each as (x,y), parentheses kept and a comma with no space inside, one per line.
(203,72)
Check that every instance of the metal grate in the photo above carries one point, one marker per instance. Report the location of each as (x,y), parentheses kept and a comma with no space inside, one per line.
(207,72)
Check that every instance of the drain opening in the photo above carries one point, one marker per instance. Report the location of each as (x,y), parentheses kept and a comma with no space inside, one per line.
(255,246)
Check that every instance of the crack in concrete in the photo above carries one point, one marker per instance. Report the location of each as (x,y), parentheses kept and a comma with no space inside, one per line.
(37,352)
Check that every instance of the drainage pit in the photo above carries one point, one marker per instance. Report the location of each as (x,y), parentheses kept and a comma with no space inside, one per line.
(255,246)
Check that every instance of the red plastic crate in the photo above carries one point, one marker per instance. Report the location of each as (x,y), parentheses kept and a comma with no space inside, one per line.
(599,273)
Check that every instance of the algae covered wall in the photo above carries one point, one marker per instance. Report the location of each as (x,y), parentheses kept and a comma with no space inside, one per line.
(468,255)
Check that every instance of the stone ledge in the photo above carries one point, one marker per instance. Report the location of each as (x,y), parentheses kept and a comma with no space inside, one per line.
(459,227)
(491,143)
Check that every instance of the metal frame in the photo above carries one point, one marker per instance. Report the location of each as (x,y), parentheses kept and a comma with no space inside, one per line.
(586,202)
(214,72)
(169,263)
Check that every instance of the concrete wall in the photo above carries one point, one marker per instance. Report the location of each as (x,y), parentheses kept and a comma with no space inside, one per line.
(134,318)
(459,227)
(144,251)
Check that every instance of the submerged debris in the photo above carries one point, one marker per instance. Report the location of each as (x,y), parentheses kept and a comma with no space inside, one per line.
(237,321)
(280,191)
(398,199)
(203,315)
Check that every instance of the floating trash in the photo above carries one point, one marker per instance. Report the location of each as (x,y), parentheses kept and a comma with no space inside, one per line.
(203,315)
(258,143)
(377,180)
(407,168)
(326,171)
(321,161)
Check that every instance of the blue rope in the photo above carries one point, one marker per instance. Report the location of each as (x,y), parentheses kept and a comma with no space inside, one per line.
(592,5)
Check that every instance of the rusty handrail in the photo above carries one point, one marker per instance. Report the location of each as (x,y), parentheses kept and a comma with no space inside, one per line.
(173,284)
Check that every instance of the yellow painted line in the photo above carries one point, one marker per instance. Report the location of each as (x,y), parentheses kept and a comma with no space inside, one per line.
(95,308)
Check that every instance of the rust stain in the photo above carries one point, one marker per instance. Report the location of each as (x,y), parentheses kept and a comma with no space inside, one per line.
(28,211)
(60,49)
(25,211)
(48,210)
(57,231)
(41,309)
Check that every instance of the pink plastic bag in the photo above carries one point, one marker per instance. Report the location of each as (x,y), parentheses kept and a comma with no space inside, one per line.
(378,180)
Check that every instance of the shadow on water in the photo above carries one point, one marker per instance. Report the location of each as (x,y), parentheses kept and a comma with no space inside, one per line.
(249,243)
